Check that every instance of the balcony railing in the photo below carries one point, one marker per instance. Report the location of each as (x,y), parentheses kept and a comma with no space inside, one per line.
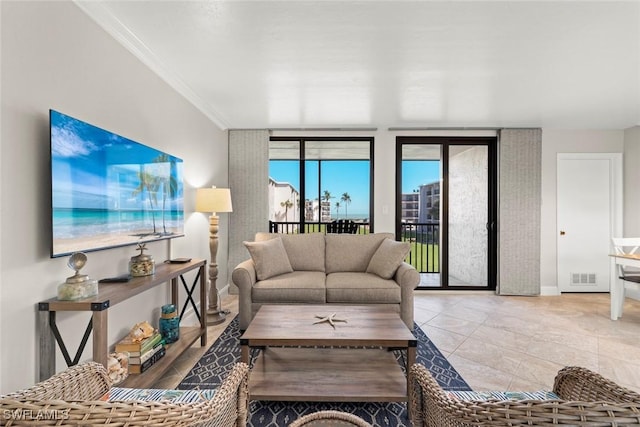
(423,237)
(309,227)
(425,248)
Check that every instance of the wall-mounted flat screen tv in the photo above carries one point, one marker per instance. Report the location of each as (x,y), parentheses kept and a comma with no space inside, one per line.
(108,191)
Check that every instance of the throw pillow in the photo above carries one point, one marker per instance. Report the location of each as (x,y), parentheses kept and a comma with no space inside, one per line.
(388,257)
(305,250)
(269,257)
(351,252)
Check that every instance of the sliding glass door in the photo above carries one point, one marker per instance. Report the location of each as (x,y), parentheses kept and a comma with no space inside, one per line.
(446,209)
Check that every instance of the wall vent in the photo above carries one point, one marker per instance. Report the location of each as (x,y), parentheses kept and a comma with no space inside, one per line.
(583,278)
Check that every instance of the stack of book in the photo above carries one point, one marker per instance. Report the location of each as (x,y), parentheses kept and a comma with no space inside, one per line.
(143,354)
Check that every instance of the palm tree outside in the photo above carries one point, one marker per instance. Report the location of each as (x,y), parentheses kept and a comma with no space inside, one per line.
(346,198)
(326,201)
(286,205)
(337,210)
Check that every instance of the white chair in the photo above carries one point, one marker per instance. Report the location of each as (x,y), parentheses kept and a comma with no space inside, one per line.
(625,272)
(627,246)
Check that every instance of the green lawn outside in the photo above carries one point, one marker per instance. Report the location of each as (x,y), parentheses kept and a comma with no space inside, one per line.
(425,257)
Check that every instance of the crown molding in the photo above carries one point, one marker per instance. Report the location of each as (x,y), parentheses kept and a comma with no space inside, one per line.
(114,27)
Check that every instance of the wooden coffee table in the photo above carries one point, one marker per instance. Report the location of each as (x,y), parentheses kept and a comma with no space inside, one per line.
(330,372)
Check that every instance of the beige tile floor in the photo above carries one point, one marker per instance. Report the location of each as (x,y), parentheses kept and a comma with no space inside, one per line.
(509,343)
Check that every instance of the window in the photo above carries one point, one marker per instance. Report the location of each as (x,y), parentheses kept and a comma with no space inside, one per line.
(314,181)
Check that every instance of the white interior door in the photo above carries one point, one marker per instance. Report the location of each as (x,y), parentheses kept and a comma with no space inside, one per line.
(587,217)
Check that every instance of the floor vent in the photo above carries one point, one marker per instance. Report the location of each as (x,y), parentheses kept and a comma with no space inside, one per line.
(583,278)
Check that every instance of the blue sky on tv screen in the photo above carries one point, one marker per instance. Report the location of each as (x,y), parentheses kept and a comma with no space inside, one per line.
(96,169)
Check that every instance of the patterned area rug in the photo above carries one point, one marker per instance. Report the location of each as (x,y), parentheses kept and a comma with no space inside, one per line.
(212,368)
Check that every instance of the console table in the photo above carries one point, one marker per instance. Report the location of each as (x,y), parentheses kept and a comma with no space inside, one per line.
(110,294)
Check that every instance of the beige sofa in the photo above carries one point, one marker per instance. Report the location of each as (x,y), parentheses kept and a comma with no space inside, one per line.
(315,268)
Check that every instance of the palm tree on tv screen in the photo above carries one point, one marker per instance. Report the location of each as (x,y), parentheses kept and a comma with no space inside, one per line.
(169,185)
(148,182)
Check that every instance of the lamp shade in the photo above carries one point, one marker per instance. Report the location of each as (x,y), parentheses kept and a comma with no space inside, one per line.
(213,200)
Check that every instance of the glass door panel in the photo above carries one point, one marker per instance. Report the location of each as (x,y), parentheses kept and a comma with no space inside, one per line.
(420,209)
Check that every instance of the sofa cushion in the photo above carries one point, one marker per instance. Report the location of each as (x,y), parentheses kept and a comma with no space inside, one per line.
(361,288)
(296,287)
(388,257)
(305,251)
(269,257)
(351,252)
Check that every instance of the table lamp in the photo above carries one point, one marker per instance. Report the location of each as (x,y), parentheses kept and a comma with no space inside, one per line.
(213,200)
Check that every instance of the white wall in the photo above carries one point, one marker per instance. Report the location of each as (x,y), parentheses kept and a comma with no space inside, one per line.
(564,141)
(468,198)
(54,56)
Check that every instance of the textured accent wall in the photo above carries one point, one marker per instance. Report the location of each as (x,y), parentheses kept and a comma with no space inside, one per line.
(631,179)
(248,181)
(468,198)
(519,212)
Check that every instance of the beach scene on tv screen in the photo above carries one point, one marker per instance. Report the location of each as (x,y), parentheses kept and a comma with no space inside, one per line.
(110,191)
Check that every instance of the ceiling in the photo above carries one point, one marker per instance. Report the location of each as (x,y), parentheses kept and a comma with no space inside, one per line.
(346,64)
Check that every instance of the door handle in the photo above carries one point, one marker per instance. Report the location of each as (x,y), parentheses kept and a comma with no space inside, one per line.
(562,233)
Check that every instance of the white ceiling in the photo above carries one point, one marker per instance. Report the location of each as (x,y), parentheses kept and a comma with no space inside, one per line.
(294,64)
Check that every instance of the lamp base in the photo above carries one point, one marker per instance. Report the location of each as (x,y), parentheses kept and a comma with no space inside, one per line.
(215,317)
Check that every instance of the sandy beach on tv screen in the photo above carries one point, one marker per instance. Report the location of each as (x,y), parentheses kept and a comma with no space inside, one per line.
(103,241)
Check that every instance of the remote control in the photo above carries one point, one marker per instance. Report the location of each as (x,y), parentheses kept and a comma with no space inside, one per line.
(119,279)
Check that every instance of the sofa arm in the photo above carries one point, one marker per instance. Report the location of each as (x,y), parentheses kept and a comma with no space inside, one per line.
(407,277)
(244,277)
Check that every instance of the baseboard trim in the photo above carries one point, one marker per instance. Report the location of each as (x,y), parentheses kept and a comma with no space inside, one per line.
(452,292)
(632,293)
(549,291)
(224,291)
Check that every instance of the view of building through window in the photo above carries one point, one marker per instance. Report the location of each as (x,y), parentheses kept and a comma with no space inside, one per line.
(420,191)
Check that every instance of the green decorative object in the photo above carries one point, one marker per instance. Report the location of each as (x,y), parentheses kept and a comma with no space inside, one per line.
(169,323)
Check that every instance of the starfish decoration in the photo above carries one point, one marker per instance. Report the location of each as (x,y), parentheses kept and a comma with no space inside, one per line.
(330,319)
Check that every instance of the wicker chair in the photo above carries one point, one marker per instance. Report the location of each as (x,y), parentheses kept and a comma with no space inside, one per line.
(72,398)
(586,399)
(330,419)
